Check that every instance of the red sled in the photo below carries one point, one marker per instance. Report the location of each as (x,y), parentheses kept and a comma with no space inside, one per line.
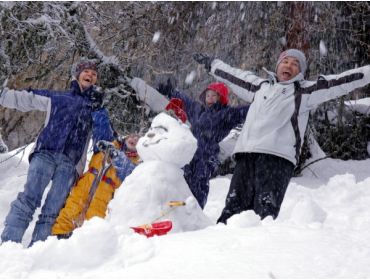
(149,230)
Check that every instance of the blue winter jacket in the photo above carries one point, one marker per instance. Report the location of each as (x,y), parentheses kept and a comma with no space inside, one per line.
(210,125)
(68,123)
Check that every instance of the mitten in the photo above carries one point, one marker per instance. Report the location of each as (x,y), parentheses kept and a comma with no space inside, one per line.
(96,99)
(203,59)
(165,89)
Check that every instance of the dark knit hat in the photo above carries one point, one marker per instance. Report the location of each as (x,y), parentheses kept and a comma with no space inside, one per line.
(83,65)
(296,54)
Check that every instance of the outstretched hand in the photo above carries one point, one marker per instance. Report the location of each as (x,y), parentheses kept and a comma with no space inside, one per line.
(203,59)
(3,147)
(166,89)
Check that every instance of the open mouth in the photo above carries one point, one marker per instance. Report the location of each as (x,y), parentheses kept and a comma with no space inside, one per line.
(287,74)
(87,80)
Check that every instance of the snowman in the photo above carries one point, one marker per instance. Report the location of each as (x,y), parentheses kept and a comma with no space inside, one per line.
(156,190)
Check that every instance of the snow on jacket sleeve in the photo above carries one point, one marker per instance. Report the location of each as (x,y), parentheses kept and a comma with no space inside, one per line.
(123,165)
(149,95)
(333,86)
(24,100)
(243,83)
(102,129)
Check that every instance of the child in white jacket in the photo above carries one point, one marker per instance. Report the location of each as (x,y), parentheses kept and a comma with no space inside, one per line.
(271,139)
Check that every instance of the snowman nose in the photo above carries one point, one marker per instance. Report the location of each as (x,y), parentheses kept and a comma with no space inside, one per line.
(150,134)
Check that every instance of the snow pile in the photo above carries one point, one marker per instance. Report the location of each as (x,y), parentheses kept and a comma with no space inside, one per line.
(361,105)
(322,230)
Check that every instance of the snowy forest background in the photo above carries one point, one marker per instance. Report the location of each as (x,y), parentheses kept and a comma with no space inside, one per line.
(40,41)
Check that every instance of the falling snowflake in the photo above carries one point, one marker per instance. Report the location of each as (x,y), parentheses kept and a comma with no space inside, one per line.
(282,41)
(190,77)
(242,17)
(156,36)
(323,49)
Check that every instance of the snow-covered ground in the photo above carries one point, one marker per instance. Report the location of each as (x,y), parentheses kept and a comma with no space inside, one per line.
(322,232)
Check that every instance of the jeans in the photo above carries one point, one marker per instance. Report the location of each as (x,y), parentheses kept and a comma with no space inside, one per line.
(44,167)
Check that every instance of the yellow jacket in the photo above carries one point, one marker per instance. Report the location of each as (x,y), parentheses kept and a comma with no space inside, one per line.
(70,216)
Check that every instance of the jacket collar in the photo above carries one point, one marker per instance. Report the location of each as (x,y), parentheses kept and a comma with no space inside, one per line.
(75,87)
(215,107)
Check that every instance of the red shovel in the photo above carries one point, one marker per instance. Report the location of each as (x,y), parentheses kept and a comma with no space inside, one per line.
(158,228)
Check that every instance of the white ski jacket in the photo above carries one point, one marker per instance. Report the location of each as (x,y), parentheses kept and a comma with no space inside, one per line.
(278,116)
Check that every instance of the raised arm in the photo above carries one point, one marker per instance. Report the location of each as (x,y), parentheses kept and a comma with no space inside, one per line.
(235,115)
(24,100)
(149,95)
(102,129)
(333,86)
(243,83)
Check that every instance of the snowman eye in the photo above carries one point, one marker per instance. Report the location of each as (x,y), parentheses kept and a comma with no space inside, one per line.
(160,129)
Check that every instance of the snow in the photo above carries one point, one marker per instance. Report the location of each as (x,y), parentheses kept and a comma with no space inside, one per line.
(361,105)
(322,232)
(323,49)
(283,41)
(94,47)
(190,77)
(156,36)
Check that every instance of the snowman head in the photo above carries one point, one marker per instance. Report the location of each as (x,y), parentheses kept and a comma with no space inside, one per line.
(168,140)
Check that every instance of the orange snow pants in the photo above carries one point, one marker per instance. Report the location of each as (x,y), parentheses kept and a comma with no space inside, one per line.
(70,216)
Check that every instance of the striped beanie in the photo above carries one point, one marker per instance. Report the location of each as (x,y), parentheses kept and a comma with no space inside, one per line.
(83,65)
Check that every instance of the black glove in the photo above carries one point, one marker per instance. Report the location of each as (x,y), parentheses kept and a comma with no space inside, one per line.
(166,89)
(107,147)
(104,145)
(3,147)
(96,99)
(203,59)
